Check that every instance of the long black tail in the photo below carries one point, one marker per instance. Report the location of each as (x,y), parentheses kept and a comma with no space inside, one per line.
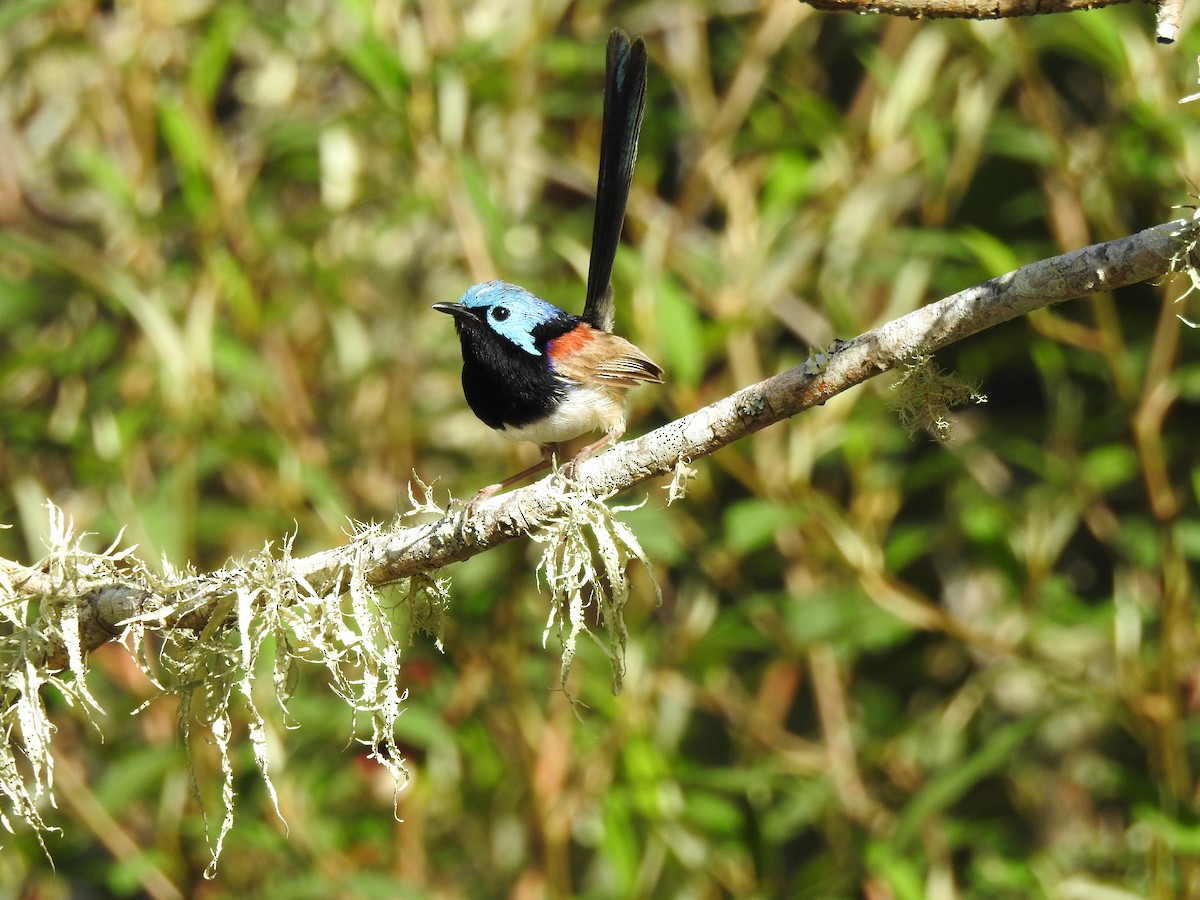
(624,100)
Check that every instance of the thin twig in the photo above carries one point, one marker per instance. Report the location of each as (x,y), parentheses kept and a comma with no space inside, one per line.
(962,9)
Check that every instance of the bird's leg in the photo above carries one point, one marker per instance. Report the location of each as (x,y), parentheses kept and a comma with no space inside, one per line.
(544,462)
(570,468)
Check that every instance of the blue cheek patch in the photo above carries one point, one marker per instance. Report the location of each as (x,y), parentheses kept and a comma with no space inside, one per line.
(522,339)
(526,311)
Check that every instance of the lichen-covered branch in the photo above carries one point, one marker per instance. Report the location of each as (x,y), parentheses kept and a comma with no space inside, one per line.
(381,556)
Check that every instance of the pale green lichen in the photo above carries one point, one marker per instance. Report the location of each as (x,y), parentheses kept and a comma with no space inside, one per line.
(353,629)
(680,476)
(1182,261)
(31,626)
(925,395)
(586,554)
(212,630)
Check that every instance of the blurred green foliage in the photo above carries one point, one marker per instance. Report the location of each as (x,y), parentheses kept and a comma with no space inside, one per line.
(884,667)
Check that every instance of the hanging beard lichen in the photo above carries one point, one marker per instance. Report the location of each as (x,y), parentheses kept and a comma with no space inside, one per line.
(211,631)
(584,560)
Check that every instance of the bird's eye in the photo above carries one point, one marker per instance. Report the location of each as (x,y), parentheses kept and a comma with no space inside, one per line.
(500,313)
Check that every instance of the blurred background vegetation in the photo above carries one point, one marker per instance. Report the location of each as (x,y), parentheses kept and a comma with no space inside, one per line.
(883,667)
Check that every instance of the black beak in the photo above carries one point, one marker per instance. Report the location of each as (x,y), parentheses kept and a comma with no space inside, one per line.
(453,309)
(464,316)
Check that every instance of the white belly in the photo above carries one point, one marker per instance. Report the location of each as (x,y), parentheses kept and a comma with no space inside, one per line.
(587,408)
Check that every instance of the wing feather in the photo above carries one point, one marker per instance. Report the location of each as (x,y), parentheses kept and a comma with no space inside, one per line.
(610,359)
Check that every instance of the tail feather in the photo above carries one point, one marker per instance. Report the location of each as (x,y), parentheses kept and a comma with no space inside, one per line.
(624,102)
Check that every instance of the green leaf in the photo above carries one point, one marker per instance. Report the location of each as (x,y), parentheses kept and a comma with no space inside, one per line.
(949,785)
(679,324)
(751,524)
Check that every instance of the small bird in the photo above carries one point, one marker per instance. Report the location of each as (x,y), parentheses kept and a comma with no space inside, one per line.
(534,372)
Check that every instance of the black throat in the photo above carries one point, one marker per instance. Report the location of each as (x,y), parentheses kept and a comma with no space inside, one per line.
(504,384)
